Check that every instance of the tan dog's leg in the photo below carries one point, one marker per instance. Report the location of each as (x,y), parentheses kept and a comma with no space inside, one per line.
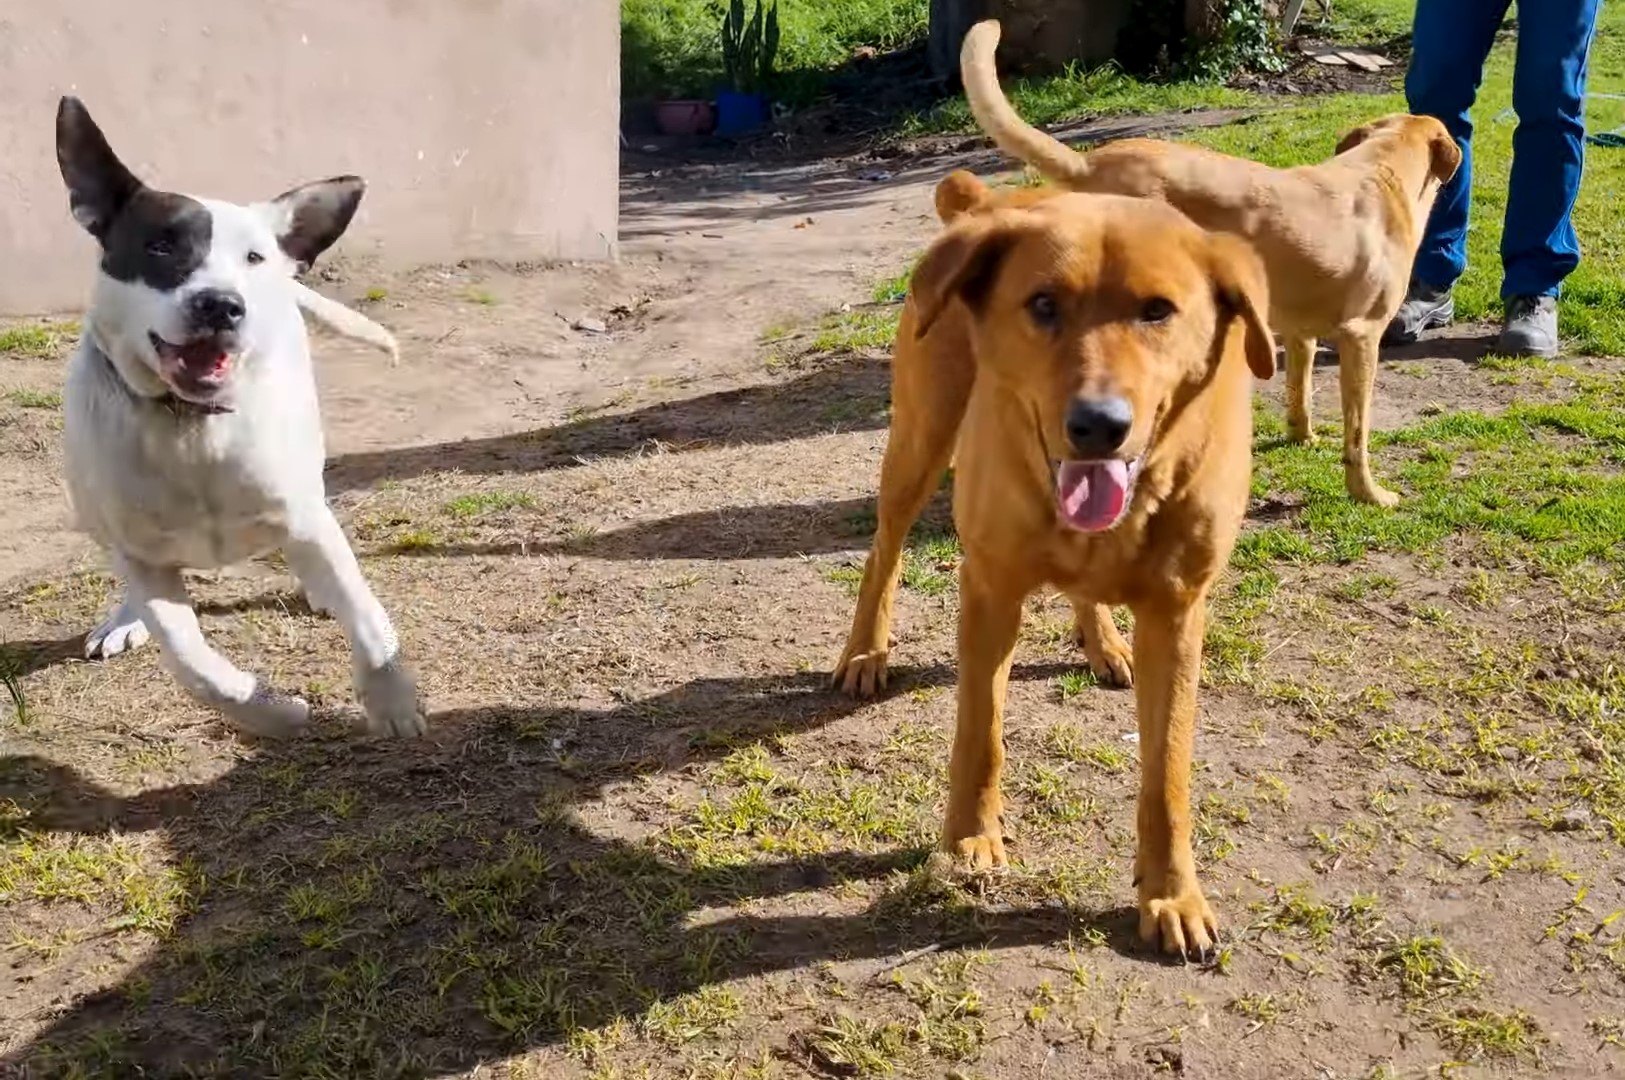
(1357,378)
(927,408)
(989,619)
(1108,654)
(1168,663)
(1300,389)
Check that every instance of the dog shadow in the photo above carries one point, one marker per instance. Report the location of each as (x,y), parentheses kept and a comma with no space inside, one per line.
(1468,344)
(368,908)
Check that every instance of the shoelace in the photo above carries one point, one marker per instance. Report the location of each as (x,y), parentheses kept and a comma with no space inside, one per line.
(1522,307)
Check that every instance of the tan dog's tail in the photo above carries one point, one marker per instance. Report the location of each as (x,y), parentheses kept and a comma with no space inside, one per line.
(350,323)
(1044,152)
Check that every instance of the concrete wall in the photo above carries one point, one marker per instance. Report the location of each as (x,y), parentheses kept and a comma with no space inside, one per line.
(485,128)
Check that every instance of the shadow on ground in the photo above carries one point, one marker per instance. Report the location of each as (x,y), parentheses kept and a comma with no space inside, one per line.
(852,393)
(408,909)
(659,196)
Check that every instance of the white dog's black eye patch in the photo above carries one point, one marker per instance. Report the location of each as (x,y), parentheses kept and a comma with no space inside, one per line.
(159,239)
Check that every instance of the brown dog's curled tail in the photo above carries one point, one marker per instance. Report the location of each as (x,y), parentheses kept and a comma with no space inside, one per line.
(1044,152)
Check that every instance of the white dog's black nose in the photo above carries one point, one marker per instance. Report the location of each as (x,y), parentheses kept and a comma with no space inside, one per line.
(1097,426)
(216,309)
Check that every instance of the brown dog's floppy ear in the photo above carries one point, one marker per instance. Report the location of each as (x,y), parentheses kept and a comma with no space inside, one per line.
(1354,138)
(1243,292)
(959,191)
(1444,155)
(962,262)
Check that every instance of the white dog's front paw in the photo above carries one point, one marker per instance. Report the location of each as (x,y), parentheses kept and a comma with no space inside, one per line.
(269,714)
(389,696)
(122,632)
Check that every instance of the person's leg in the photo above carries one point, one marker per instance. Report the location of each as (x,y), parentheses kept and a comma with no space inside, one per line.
(1450,40)
(1538,244)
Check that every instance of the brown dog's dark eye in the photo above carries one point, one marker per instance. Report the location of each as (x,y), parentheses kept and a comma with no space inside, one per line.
(255,258)
(1044,310)
(1156,310)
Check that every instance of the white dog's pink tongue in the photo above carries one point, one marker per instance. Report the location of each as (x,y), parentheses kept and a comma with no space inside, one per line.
(205,357)
(1092,494)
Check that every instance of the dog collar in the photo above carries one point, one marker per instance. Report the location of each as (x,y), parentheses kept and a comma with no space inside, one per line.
(175,406)
(181,407)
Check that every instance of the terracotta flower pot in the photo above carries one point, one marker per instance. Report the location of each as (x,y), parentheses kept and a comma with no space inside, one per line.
(685,117)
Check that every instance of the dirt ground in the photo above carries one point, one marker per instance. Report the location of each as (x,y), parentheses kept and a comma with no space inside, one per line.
(617,513)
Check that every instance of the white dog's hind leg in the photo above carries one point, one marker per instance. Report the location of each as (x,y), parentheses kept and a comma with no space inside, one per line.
(158,596)
(120,632)
(320,556)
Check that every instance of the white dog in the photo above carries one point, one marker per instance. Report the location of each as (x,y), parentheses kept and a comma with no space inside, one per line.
(192,435)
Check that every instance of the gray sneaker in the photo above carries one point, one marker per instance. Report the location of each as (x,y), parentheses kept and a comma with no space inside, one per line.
(1425,307)
(1530,328)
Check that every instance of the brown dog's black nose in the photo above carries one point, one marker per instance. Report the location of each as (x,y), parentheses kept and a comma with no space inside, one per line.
(1097,426)
(216,309)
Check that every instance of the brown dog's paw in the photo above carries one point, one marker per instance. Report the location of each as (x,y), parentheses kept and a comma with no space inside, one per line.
(1110,657)
(862,674)
(1111,661)
(985,851)
(1182,924)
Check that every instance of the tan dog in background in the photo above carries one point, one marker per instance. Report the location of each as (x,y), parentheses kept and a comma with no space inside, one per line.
(1337,238)
(1094,356)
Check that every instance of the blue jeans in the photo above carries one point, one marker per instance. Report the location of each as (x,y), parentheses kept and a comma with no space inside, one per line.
(1450,41)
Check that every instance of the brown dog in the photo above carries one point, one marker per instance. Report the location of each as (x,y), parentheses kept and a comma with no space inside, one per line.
(1092,356)
(918,449)
(1337,239)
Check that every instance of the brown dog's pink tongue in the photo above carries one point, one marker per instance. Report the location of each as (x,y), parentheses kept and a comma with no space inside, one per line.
(1091,494)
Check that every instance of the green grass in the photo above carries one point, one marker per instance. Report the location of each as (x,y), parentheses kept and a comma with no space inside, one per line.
(1078,92)
(39,341)
(1428,970)
(672,48)
(863,328)
(35,399)
(1475,1033)
(1361,22)
(1537,484)
(54,868)
(478,503)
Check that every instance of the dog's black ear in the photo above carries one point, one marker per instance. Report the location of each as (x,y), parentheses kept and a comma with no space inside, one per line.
(963,262)
(312,216)
(99,185)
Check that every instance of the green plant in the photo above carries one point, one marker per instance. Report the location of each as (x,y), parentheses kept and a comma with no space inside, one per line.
(1245,40)
(749,48)
(1158,43)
